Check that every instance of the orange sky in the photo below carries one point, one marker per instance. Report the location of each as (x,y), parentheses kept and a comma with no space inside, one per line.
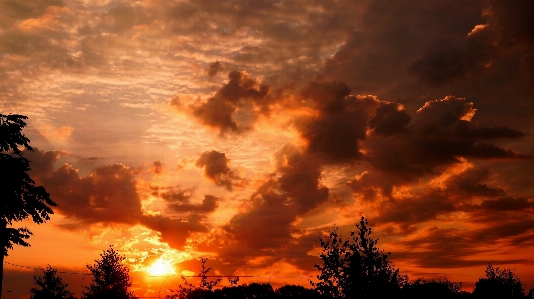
(243,130)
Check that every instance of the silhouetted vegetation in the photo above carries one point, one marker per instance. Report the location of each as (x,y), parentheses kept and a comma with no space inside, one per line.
(499,284)
(352,268)
(436,289)
(20,197)
(50,286)
(355,267)
(184,290)
(111,279)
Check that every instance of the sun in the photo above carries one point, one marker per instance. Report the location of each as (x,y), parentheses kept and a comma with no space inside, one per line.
(161,267)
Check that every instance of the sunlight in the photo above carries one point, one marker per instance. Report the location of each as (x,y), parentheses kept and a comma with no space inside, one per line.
(161,267)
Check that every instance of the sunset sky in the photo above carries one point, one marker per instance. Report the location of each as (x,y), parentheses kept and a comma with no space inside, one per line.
(242,131)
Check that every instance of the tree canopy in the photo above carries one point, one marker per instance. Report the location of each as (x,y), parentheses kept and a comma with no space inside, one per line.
(111,278)
(499,284)
(356,267)
(50,286)
(20,197)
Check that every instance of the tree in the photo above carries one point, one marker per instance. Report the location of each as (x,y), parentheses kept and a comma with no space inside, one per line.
(20,197)
(187,289)
(356,268)
(436,289)
(499,284)
(111,279)
(51,286)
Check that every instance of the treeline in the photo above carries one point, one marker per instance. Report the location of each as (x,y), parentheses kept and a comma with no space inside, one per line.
(351,268)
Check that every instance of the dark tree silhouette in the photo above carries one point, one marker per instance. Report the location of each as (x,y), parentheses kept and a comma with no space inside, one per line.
(20,197)
(51,286)
(356,268)
(296,292)
(188,290)
(436,289)
(111,279)
(499,284)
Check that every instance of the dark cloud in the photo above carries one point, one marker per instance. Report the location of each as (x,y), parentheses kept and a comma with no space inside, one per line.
(504,229)
(507,204)
(216,168)
(179,200)
(389,119)
(366,61)
(213,68)
(441,64)
(459,192)
(22,9)
(173,194)
(174,231)
(470,183)
(96,198)
(273,208)
(340,122)
(157,167)
(439,134)
(445,248)
(42,163)
(242,94)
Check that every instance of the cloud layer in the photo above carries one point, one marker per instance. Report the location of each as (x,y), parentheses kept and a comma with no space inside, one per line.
(244,131)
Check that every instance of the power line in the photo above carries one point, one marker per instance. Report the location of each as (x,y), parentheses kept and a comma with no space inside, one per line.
(42,269)
(209,276)
(187,276)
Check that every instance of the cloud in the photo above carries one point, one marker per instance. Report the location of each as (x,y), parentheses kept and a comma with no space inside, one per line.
(157,167)
(389,119)
(439,134)
(179,200)
(276,204)
(96,198)
(242,94)
(216,168)
(213,68)
(174,231)
(434,250)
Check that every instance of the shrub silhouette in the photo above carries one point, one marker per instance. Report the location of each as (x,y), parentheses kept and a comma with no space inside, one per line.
(436,289)
(296,291)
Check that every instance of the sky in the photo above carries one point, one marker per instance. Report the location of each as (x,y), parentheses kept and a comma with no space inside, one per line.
(243,131)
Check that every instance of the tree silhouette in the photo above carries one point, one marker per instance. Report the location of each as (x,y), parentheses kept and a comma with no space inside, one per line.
(20,197)
(111,279)
(296,292)
(436,289)
(499,284)
(51,286)
(356,268)
(186,290)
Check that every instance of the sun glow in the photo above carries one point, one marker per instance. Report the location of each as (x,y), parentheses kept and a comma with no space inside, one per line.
(161,267)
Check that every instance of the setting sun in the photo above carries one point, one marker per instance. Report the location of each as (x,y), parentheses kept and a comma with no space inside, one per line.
(161,267)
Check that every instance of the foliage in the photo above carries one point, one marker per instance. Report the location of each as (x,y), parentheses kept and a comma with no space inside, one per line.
(499,284)
(21,198)
(296,291)
(356,267)
(51,286)
(186,290)
(111,279)
(437,289)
